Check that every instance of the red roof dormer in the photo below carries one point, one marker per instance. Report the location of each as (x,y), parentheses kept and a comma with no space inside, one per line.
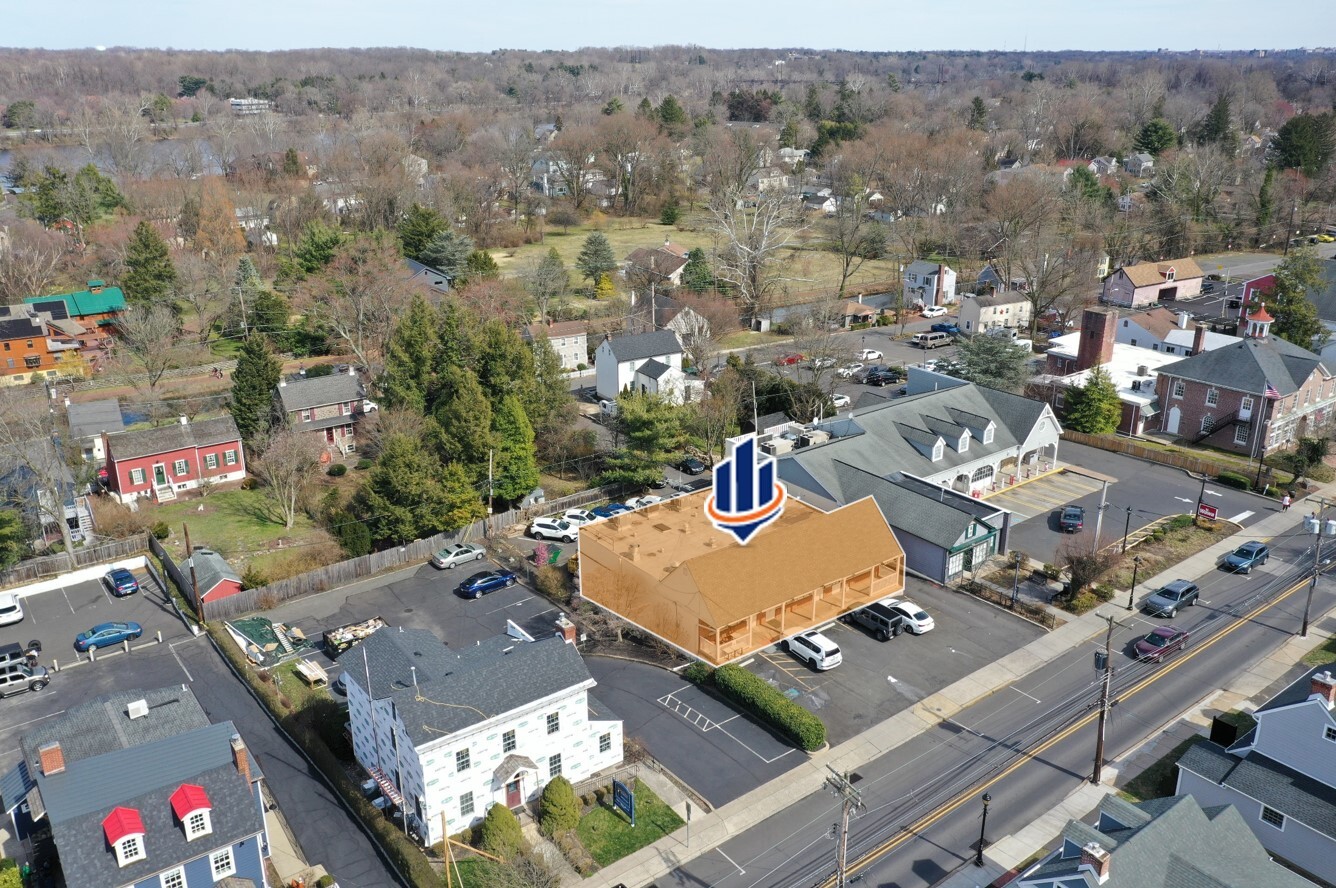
(188,799)
(122,822)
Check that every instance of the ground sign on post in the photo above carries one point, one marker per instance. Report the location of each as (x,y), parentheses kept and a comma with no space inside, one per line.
(1207,512)
(624,800)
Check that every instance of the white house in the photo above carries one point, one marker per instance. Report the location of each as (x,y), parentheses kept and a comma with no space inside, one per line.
(447,733)
(994,311)
(645,362)
(89,420)
(1140,164)
(1165,331)
(931,283)
(569,339)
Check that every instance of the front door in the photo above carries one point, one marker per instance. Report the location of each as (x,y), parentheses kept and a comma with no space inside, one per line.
(514,798)
(160,475)
(1172,420)
(329,435)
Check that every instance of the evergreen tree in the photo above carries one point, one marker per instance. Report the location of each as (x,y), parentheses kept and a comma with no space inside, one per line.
(788,136)
(318,246)
(418,228)
(645,109)
(13,538)
(448,252)
(994,362)
(253,384)
(1297,321)
(1094,408)
(480,266)
(605,288)
(1155,137)
(560,808)
(1266,200)
(501,835)
(1086,187)
(1216,129)
(596,257)
(187,221)
(978,115)
(671,114)
(1305,142)
(651,428)
(292,164)
(269,316)
(410,358)
(696,274)
(515,464)
(550,406)
(409,495)
(150,275)
(464,422)
(502,360)
(670,214)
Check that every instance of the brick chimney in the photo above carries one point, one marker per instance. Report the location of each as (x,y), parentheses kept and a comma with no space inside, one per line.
(241,758)
(51,758)
(1098,326)
(1199,340)
(566,630)
(1095,859)
(1323,685)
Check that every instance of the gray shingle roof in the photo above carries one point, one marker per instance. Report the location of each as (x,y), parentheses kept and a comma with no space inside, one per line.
(1296,795)
(645,345)
(1181,846)
(174,436)
(305,394)
(653,369)
(93,417)
(1002,297)
(1248,365)
(935,519)
(1298,690)
(210,570)
(496,676)
(102,725)
(921,266)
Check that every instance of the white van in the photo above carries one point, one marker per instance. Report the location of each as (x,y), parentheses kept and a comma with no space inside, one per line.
(930,340)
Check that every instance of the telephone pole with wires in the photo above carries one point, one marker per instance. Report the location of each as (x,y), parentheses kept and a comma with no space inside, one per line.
(1314,524)
(850,800)
(1104,661)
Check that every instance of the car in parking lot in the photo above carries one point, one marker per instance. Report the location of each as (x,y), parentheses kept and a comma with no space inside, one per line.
(1166,600)
(1160,642)
(691,466)
(818,363)
(578,517)
(1246,557)
(840,400)
(11,609)
(934,311)
(120,582)
(18,673)
(869,354)
(789,360)
(106,634)
(611,510)
(848,370)
(458,553)
(917,620)
(552,529)
(883,622)
(945,327)
(639,502)
(1072,519)
(816,650)
(479,584)
(881,378)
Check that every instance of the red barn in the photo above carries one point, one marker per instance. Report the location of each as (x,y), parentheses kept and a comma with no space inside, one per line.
(158,463)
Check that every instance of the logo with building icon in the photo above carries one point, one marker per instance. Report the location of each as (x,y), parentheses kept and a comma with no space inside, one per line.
(746,496)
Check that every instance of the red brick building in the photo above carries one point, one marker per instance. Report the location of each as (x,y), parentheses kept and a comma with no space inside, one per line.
(1254,397)
(159,463)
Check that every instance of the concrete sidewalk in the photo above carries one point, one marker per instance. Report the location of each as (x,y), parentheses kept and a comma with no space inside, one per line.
(710,830)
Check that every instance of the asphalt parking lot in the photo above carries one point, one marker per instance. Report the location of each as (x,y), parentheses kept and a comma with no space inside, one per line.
(878,679)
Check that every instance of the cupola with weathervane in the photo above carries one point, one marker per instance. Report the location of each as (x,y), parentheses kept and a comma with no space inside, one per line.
(1259,323)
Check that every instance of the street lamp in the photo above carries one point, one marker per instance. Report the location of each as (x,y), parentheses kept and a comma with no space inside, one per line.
(1131,593)
(1017,557)
(983,826)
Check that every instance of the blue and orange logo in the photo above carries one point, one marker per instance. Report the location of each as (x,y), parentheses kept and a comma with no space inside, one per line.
(746,495)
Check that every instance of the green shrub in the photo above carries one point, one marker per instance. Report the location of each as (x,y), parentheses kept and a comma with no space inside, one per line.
(560,808)
(315,371)
(1157,535)
(338,470)
(9,874)
(1052,571)
(353,536)
(1082,602)
(1178,522)
(1104,592)
(363,464)
(160,530)
(1235,480)
(752,693)
(253,578)
(501,834)
(324,881)
(698,673)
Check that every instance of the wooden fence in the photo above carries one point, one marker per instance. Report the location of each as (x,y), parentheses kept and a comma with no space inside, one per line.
(1190,462)
(138,379)
(35,569)
(1022,608)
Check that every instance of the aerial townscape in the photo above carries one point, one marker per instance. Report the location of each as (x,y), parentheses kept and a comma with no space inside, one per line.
(629,460)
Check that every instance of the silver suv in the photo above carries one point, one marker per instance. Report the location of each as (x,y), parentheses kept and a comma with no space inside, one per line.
(1166,601)
(17,674)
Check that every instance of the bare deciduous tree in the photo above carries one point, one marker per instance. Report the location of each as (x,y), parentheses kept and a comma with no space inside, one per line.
(753,237)
(359,296)
(33,475)
(149,345)
(286,461)
(30,260)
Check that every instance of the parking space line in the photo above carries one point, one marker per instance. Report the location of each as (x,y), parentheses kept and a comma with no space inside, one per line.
(179,662)
(706,724)
(1023,694)
(67,599)
(33,721)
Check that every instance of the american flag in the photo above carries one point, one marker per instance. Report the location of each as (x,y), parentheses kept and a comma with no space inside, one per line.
(1271,392)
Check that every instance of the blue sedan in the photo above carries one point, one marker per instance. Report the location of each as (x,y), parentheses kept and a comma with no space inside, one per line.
(611,510)
(1246,557)
(479,584)
(105,635)
(120,582)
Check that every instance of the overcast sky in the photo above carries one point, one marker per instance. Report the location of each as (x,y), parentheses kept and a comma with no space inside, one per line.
(892,25)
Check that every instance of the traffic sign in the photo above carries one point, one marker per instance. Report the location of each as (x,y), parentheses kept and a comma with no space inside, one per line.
(1206,511)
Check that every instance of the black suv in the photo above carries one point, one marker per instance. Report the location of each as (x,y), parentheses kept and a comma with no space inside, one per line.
(877,618)
(881,377)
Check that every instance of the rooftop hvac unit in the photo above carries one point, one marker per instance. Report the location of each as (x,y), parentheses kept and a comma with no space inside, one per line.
(137,709)
(817,436)
(777,447)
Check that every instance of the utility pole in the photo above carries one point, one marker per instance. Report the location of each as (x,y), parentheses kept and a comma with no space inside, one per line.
(1315,524)
(850,800)
(194,581)
(1103,702)
(1099,519)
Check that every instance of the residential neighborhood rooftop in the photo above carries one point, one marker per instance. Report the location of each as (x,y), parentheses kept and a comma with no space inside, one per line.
(319,391)
(176,436)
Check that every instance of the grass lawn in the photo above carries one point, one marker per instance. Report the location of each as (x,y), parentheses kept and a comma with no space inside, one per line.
(236,523)
(474,872)
(1157,557)
(748,339)
(1320,656)
(608,836)
(1160,778)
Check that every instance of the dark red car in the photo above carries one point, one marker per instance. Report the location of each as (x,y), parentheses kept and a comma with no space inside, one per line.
(1161,642)
(789,360)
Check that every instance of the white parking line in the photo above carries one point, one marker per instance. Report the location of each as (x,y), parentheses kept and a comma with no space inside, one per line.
(1241,517)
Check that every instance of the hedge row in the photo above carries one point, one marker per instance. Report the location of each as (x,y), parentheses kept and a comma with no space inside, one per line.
(1235,480)
(752,693)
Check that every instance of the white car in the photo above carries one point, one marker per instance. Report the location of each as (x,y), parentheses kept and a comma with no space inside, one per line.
(917,620)
(640,502)
(816,650)
(11,609)
(818,363)
(869,354)
(552,529)
(840,400)
(578,517)
(849,370)
(458,553)
(934,311)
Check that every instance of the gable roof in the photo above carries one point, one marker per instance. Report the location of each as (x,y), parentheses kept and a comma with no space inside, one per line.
(1297,691)
(1248,365)
(556,329)
(175,436)
(666,260)
(1146,274)
(101,725)
(922,266)
(653,369)
(999,297)
(321,391)
(494,677)
(93,417)
(211,569)
(937,516)
(645,345)
(17,323)
(1260,777)
(82,302)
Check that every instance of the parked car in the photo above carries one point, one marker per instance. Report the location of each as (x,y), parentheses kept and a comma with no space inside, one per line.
(869,354)
(578,517)
(1246,557)
(934,311)
(945,327)
(818,363)
(883,622)
(1161,642)
(789,360)
(691,466)
(458,553)
(639,502)
(840,400)
(917,620)
(552,529)
(11,609)
(18,673)
(1072,519)
(881,378)
(106,634)
(120,582)
(607,408)
(848,370)
(816,650)
(1166,601)
(479,584)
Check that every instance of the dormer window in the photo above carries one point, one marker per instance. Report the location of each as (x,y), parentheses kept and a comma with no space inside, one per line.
(964,443)
(938,450)
(988,434)
(129,849)
(191,805)
(1169,274)
(124,830)
(197,824)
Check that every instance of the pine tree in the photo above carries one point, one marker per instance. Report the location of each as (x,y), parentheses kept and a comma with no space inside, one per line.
(515,465)
(1094,408)
(651,427)
(150,275)
(448,252)
(292,165)
(1266,201)
(978,114)
(418,228)
(671,114)
(1216,129)
(253,384)
(1155,137)
(696,274)
(13,538)
(501,833)
(410,358)
(480,266)
(409,495)
(560,808)
(596,257)
(1305,142)
(318,246)
(464,421)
